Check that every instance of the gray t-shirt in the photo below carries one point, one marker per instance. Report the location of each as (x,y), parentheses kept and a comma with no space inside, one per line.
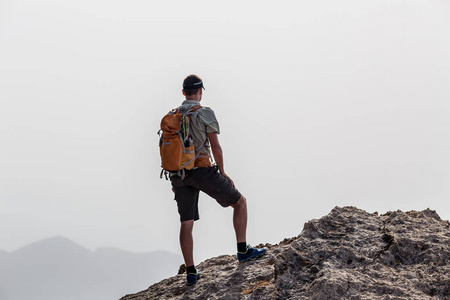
(203,121)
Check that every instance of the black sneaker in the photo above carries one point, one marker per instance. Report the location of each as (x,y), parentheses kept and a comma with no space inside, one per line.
(192,278)
(251,253)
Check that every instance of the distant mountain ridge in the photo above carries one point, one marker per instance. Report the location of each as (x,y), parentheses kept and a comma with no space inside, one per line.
(52,245)
(58,268)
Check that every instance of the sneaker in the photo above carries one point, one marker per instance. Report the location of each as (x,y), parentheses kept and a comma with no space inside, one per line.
(192,278)
(251,253)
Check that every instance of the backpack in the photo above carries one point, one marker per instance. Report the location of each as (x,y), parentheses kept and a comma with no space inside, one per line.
(176,145)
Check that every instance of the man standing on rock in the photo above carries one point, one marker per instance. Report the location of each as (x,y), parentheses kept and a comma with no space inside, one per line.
(208,178)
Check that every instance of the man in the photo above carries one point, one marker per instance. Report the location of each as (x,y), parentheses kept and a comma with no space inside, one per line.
(209,179)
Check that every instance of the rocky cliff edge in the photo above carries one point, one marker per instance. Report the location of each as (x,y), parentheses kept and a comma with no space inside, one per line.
(348,254)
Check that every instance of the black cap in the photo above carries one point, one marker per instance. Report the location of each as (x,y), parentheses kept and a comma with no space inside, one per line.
(192,82)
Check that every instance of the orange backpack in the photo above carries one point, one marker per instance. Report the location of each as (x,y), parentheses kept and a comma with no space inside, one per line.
(176,144)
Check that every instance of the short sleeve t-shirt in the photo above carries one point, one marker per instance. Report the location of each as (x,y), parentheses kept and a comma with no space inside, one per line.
(203,121)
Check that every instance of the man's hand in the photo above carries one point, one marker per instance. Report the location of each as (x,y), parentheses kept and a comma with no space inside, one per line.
(228,177)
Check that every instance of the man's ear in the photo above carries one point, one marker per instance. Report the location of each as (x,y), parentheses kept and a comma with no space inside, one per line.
(183,92)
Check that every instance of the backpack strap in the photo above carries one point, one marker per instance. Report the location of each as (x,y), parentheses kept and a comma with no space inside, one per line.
(189,111)
(185,121)
(165,173)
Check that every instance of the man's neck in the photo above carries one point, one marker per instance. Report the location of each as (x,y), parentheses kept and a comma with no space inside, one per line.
(196,97)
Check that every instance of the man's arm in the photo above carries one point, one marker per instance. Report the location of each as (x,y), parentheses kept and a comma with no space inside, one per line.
(217,153)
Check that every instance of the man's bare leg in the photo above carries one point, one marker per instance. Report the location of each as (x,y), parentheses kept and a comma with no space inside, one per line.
(187,242)
(240,226)
(240,219)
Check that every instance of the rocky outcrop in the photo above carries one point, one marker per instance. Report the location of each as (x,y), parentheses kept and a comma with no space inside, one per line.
(348,254)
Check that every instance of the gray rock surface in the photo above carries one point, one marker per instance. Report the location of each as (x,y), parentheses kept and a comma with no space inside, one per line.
(348,254)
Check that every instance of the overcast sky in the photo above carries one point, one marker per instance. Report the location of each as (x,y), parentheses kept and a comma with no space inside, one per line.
(320,103)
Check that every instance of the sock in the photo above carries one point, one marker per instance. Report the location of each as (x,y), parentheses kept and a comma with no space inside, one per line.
(191,270)
(242,247)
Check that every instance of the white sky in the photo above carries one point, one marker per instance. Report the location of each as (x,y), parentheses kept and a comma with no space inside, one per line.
(321,103)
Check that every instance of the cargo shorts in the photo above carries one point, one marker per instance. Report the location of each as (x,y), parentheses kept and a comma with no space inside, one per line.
(208,180)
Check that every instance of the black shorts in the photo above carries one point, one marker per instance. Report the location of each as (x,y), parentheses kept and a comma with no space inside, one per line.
(208,180)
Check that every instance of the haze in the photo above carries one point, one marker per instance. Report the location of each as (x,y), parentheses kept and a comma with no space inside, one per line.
(321,104)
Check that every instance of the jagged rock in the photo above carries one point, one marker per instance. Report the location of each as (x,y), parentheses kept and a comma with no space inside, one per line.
(348,254)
